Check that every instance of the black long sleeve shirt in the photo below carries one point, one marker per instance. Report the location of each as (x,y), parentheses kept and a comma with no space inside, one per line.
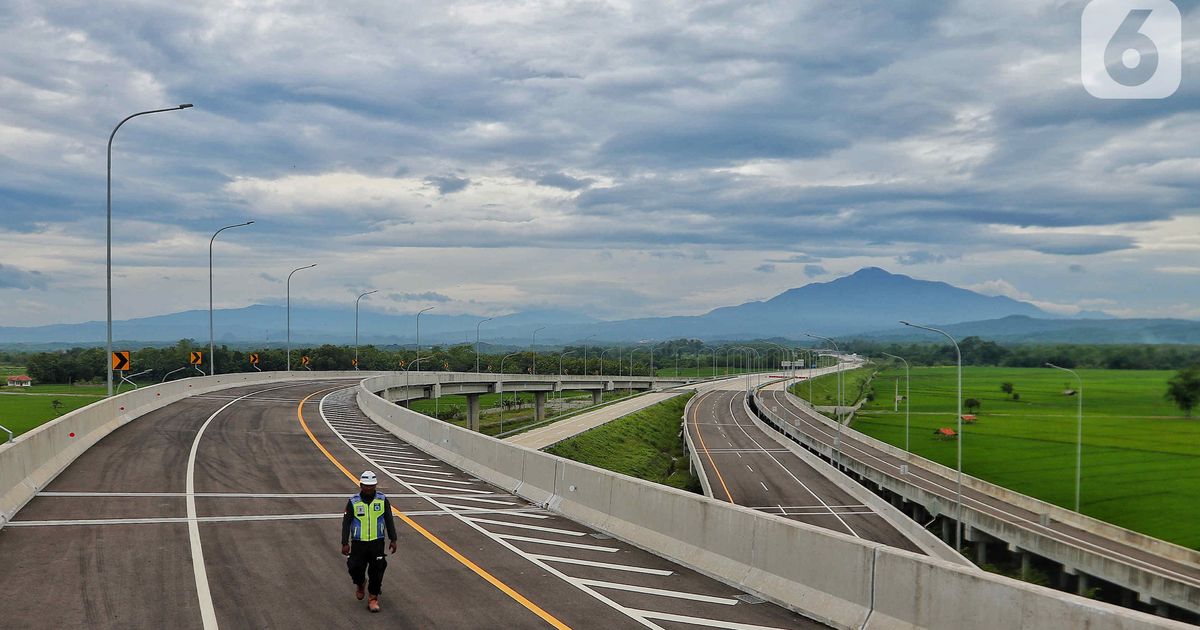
(348,518)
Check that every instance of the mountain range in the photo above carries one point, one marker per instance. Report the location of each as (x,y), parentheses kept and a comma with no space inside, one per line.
(867,304)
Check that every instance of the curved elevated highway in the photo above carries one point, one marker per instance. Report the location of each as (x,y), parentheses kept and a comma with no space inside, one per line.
(223,510)
(746,466)
(1155,570)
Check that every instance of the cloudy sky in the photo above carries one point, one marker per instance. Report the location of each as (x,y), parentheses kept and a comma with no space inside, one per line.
(623,158)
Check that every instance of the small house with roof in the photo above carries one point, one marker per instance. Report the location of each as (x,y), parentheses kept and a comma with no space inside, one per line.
(19,380)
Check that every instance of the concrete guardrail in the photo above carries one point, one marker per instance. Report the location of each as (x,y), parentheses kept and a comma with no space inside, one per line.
(836,579)
(34,459)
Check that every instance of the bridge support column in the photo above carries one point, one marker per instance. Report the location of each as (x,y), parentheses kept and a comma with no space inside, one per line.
(473,412)
(597,396)
(1025,561)
(539,406)
(1082,583)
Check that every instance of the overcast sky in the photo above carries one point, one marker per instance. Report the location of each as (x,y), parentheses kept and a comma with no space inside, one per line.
(618,158)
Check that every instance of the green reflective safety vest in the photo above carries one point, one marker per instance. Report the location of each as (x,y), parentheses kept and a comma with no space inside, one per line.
(368,518)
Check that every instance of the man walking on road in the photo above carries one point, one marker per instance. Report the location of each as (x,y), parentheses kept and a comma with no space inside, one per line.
(368,515)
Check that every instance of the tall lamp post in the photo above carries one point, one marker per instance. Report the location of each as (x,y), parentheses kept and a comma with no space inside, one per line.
(418,361)
(533,348)
(108,229)
(212,354)
(502,359)
(907,401)
(482,322)
(360,297)
(838,437)
(1078,432)
(289,313)
(585,340)
(958,438)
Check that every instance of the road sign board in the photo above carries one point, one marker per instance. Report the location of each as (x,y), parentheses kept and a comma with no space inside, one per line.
(303,360)
(354,362)
(195,358)
(253,358)
(120,361)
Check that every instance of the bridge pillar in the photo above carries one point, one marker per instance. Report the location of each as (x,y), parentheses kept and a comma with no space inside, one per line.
(597,396)
(1025,559)
(1082,583)
(473,412)
(539,406)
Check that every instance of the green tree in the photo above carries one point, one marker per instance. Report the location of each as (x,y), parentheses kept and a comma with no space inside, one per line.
(971,404)
(1007,388)
(1184,389)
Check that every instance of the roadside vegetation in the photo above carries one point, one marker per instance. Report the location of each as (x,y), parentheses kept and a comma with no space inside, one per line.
(646,444)
(1141,453)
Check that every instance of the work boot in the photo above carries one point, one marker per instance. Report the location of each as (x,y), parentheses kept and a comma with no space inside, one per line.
(360,590)
(373,603)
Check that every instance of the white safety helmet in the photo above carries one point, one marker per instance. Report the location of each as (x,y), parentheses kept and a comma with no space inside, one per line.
(368,478)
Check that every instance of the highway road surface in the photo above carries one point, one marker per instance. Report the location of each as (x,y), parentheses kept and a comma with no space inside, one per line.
(224,510)
(748,467)
(796,412)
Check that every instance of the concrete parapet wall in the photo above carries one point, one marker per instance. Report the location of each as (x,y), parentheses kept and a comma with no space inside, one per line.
(837,579)
(1148,582)
(34,459)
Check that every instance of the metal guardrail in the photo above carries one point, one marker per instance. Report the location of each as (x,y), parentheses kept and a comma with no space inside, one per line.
(10,434)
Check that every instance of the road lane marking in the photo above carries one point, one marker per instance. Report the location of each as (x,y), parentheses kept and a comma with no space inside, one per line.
(478,570)
(556,543)
(701,621)
(518,551)
(617,586)
(549,530)
(703,447)
(208,614)
(789,472)
(605,565)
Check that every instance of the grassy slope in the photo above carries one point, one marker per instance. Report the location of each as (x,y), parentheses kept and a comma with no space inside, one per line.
(20,413)
(1141,458)
(645,444)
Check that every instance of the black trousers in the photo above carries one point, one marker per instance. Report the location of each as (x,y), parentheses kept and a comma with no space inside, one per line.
(368,560)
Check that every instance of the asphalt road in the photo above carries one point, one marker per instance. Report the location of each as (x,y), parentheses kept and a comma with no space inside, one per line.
(748,467)
(798,414)
(224,510)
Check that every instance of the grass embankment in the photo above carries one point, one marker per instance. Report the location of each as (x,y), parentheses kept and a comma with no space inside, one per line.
(645,444)
(453,409)
(1141,456)
(824,388)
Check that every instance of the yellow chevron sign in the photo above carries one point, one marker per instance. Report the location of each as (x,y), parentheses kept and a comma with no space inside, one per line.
(195,358)
(253,358)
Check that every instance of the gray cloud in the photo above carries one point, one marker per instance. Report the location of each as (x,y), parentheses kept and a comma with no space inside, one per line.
(447,184)
(716,127)
(17,278)
(765,268)
(813,271)
(428,296)
(921,258)
(1075,268)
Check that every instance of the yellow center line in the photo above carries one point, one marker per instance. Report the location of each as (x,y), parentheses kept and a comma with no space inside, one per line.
(493,580)
(696,423)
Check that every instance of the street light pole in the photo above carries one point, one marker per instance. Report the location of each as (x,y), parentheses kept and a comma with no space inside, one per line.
(108,230)
(289,313)
(533,348)
(418,361)
(360,297)
(511,354)
(958,438)
(212,354)
(1078,432)
(477,341)
(585,340)
(907,401)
